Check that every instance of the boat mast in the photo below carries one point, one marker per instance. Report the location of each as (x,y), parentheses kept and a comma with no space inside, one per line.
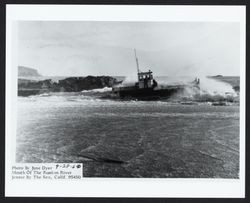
(137,63)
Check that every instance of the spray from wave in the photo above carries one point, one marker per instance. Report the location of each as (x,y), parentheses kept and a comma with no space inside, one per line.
(210,90)
(129,81)
(105,89)
(213,87)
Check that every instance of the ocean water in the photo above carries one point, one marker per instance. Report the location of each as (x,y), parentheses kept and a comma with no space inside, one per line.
(113,138)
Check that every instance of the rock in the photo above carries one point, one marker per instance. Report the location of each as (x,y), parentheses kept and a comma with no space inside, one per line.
(76,84)
(72,84)
(236,88)
(32,84)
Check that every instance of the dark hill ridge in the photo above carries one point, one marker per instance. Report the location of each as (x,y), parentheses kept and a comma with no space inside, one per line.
(76,84)
(71,84)
(27,72)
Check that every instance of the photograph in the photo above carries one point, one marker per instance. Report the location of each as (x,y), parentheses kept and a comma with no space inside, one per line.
(125,101)
(130,99)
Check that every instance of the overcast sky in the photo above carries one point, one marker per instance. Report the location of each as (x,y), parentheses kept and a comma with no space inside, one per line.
(106,48)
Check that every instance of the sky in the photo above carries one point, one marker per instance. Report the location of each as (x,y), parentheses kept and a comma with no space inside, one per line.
(80,48)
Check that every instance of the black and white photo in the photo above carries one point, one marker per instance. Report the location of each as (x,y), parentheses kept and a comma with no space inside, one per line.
(148,99)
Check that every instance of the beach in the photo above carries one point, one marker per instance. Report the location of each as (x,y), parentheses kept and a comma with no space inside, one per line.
(113,138)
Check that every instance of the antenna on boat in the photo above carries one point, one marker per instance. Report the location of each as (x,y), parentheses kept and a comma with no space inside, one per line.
(137,63)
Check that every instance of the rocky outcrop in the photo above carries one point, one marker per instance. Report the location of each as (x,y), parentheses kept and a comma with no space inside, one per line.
(236,88)
(27,72)
(72,84)
(76,84)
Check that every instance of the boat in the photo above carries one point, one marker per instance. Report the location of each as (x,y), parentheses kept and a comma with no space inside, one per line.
(147,88)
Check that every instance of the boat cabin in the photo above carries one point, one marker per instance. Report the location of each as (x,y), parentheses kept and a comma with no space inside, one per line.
(145,79)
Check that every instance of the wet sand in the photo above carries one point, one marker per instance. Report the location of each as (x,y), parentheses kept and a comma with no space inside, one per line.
(130,139)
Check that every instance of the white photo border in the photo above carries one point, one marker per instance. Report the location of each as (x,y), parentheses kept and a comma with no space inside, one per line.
(118,187)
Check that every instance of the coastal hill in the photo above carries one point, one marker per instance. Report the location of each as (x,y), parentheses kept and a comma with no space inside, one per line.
(27,72)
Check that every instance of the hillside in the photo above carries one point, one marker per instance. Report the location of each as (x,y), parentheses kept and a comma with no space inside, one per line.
(26,72)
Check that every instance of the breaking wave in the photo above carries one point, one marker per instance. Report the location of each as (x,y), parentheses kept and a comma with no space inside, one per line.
(105,89)
(210,90)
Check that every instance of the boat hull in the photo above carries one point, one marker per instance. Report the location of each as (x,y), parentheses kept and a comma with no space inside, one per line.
(147,93)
